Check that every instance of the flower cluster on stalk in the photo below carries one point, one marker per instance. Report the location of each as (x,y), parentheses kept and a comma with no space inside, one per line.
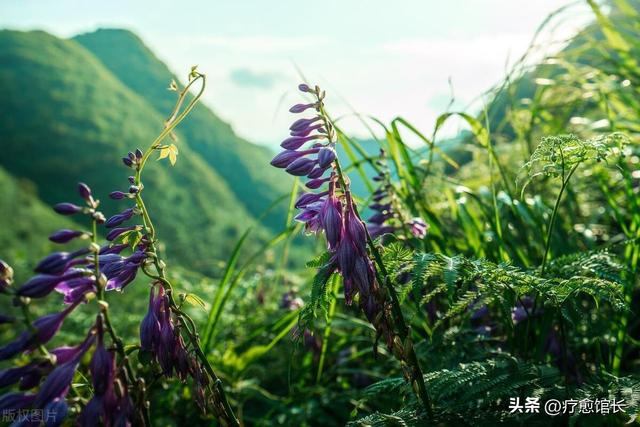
(328,207)
(387,217)
(78,275)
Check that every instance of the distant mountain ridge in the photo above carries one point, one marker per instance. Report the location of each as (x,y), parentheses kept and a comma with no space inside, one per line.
(67,116)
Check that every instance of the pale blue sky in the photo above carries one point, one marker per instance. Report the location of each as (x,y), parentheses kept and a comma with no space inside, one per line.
(382,58)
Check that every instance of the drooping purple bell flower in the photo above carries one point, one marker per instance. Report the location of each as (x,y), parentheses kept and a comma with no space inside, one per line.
(331,219)
(150,326)
(102,364)
(57,383)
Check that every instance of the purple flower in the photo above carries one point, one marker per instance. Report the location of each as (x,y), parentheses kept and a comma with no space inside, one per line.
(331,219)
(355,228)
(55,412)
(295,142)
(299,108)
(102,364)
(57,383)
(75,289)
(118,231)
(326,156)
(43,284)
(113,249)
(84,191)
(304,88)
(150,326)
(283,159)
(47,326)
(316,173)
(307,198)
(67,208)
(16,346)
(302,124)
(57,262)
(127,161)
(117,195)
(65,235)
(15,401)
(118,219)
(418,227)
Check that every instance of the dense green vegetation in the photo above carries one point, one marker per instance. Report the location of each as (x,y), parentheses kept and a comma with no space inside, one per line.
(526,284)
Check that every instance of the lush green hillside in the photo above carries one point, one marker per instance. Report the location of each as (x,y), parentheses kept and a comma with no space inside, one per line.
(244,165)
(66,117)
(24,242)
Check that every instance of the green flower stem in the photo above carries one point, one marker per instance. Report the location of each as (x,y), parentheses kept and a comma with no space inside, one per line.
(410,357)
(224,411)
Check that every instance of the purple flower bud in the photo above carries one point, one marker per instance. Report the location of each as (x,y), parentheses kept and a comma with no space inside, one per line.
(326,156)
(117,195)
(283,159)
(127,161)
(15,401)
(363,274)
(355,229)
(113,249)
(13,375)
(134,189)
(295,142)
(118,219)
(132,179)
(301,166)
(92,413)
(316,173)
(138,153)
(55,412)
(118,231)
(299,108)
(346,257)
(379,218)
(131,155)
(331,219)
(64,235)
(150,326)
(307,130)
(307,198)
(304,88)
(66,353)
(67,208)
(303,123)
(16,346)
(102,365)
(43,284)
(47,326)
(57,383)
(56,262)
(316,183)
(84,191)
